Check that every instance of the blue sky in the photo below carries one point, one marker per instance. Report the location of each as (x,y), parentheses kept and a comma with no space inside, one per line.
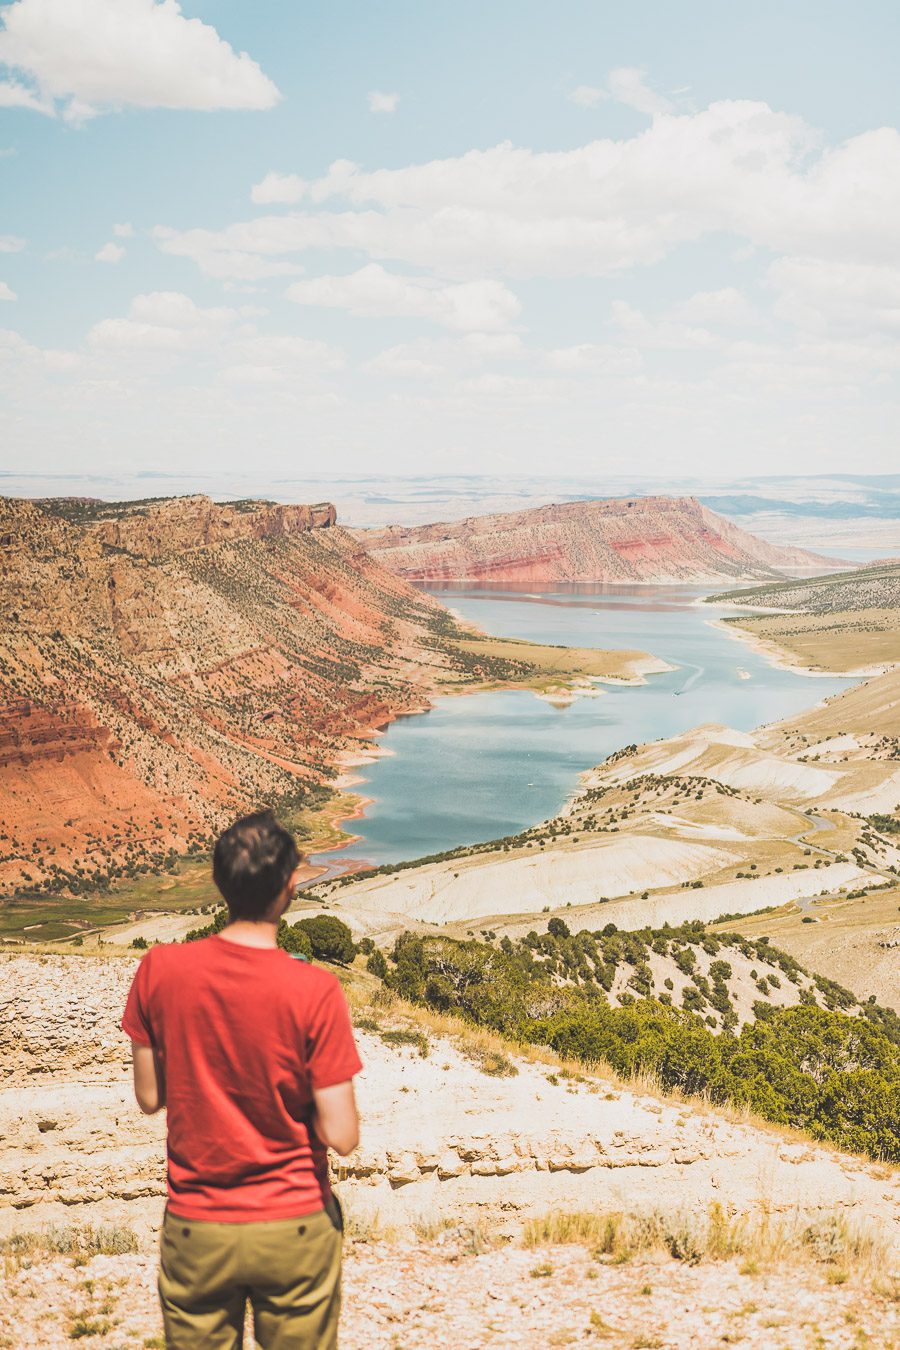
(510,238)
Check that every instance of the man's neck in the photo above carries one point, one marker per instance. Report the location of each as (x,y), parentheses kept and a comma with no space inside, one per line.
(245,933)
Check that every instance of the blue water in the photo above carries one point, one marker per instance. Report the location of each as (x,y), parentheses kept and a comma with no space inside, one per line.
(479,766)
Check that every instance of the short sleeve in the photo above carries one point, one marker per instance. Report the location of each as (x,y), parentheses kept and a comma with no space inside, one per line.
(136,1018)
(331,1055)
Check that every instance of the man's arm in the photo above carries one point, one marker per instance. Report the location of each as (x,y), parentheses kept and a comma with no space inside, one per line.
(336,1120)
(149,1080)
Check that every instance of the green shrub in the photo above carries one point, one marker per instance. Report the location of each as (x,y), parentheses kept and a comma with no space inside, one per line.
(376,964)
(330,939)
(292,938)
(833,1075)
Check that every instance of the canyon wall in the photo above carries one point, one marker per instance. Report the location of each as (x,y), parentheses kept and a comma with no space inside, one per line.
(633,539)
(167,665)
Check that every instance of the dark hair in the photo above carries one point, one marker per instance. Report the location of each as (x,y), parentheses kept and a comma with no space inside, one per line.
(252,864)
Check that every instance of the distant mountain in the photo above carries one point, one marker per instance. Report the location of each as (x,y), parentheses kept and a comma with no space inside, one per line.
(619,540)
(165,665)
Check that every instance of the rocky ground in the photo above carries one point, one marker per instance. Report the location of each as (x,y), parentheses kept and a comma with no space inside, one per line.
(451,1126)
(411,1295)
(467,1149)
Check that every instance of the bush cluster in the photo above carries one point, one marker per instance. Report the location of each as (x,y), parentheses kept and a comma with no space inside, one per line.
(834,1075)
(322,937)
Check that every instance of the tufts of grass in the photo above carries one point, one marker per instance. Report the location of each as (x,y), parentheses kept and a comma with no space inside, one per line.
(494,1063)
(82,1325)
(399,1036)
(80,1243)
(760,1240)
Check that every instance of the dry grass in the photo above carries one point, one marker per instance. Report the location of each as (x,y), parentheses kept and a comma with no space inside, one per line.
(80,1243)
(843,641)
(564,662)
(844,944)
(763,1240)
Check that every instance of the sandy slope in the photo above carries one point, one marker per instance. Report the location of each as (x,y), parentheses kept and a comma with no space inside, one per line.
(440,1136)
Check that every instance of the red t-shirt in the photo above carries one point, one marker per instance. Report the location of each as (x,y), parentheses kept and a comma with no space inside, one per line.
(244,1034)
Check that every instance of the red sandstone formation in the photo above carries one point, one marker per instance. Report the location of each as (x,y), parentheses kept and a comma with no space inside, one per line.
(177,524)
(634,539)
(166,665)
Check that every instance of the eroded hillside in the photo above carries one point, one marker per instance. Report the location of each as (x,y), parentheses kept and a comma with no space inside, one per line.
(166,665)
(631,539)
(708,823)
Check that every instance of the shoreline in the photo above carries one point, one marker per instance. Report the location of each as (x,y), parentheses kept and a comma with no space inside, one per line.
(779,657)
(563,696)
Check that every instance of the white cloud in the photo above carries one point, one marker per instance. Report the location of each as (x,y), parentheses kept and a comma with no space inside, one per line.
(641,331)
(162,321)
(629,85)
(123,231)
(11,243)
(382,103)
(596,358)
(405,362)
(6,293)
(177,309)
(14,345)
(491,345)
(91,56)
(822,296)
(110,253)
(586,96)
(166,324)
(725,306)
(274,359)
(235,263)
(375,293)
(735,167)
(14,94)
(279,187)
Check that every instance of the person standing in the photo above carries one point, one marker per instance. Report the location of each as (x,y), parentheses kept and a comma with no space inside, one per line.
(251,1052)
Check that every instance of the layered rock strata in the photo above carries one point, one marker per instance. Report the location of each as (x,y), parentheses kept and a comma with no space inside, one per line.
(166,665)
(631,539)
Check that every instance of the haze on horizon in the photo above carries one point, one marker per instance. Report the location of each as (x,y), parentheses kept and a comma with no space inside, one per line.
(362,241)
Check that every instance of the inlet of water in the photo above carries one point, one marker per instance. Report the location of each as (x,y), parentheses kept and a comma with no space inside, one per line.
(480,766)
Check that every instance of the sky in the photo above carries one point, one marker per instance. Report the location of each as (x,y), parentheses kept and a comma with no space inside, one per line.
(517,238)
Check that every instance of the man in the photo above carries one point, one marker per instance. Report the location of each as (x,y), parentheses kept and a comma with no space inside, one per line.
(251,1051)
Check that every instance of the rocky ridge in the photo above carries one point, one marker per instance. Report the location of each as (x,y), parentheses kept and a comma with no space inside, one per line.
(659,539)
(166,665)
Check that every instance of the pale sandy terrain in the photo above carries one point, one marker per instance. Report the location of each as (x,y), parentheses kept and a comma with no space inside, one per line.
(440,1138)
(579,878)
(414,1295)
(452,1164)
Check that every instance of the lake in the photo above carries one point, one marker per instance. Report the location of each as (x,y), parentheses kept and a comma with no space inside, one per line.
(479,766)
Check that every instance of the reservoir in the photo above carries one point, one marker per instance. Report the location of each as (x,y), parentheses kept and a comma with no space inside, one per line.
(480,766)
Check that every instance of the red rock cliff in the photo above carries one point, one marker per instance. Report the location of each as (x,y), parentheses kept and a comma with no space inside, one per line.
(632,539)
(182,523)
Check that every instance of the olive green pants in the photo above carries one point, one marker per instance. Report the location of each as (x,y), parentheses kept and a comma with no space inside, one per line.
(289,1269)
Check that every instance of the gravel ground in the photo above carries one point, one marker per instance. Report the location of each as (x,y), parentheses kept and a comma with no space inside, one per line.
(401,1297)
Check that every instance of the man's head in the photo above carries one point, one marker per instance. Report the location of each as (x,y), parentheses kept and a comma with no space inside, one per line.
(253,866)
